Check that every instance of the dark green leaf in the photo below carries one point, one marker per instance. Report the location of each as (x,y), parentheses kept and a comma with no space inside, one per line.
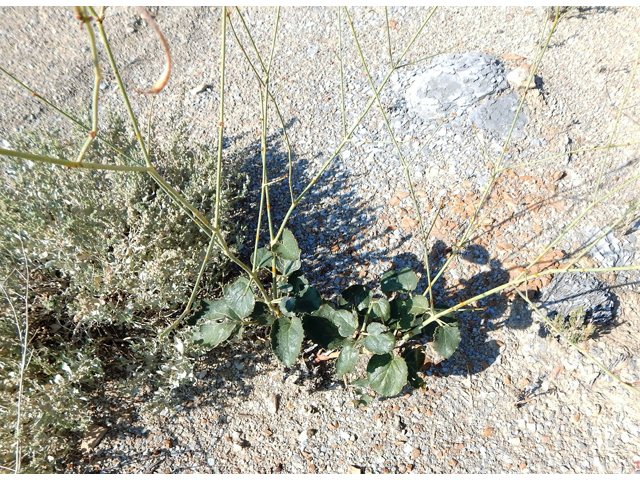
(322,331)
(262,258)
(404,280)
(418,304)
(381,343)
(387,374)
(414,359)
(346,360)
(213,334)
(446,340)
(288,249)
(287,306)
(286,267)
(286,339)
(218,310)
(298,282)
(239,297)
(309,301)
(380,309)
(364,400)
(376,328)
(400,313)
(357,296)
(262,314)
(343,319)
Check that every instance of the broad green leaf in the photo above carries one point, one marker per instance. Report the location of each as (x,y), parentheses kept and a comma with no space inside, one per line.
(404,280)
(446,340)
(376,328)
(343,319)
(262,314)
(346,360)
(381,309)
(286,339)
(213,334)
(381,343)
(239,297)
(298,283)
(322,331)
(418,304)
(387,374)
(288,249)
(218,310)
(262,258)
(309,301)
(358,296)
(286,267)
(414,359)
(400,314)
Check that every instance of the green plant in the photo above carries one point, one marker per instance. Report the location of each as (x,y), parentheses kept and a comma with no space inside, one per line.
(383,323)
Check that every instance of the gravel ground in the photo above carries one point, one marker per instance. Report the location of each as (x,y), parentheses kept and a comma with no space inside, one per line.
(512,398)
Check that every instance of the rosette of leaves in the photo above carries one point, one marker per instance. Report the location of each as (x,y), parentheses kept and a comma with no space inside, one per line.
(363,322)
(380,324)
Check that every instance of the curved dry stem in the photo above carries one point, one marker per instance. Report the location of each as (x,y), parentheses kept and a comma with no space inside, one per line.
(164,76)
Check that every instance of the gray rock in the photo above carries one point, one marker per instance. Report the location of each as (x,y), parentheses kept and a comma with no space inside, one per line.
(495,116)
(453,83)
(570,291)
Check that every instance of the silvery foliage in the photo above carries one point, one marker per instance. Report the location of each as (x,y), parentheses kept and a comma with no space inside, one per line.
(110,255)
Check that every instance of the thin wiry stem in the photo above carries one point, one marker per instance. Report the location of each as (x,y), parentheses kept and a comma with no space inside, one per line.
(402,159)
(223,48)
(571,152)
(617,120)
(344,118)
(386,25)
(123,92)
(519,281)
(251,40)
(349,133)
(86,19)
(68,116)
(631,209)
(497,167)
(194,292)
(72,164)
(583,351)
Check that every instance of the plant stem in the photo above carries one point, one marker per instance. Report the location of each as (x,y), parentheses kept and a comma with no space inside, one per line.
(123,92)
(216,224)
(86,19)
(583,351)
(425,250)
(71,164)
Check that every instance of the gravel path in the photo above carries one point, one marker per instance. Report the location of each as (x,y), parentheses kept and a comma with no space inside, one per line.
(512,399)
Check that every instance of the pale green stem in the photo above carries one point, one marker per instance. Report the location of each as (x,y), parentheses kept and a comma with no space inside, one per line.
(497,168)
(123,92)
(397,147)
(194,292)
(86,19)
(67,115)
(349,133)
(344,118)
(386,24)
(70,164)
(617,120)
(519,281)
(583,351)
(571,152)
(251,40)
(216,224)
